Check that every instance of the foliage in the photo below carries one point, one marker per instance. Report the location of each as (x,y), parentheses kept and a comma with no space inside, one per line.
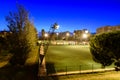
(20,41)
(43,34)
(2,43)
(30,34)
(105,47)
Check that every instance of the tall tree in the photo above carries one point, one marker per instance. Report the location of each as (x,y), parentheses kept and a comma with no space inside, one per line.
(31,34)
(19,24)
(43,34)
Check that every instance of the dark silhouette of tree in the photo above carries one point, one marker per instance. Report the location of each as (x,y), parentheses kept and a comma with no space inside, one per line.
(43,34)
(105,48)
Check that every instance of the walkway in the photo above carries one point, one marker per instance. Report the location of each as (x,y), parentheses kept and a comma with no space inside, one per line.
(42,67)
(80,72)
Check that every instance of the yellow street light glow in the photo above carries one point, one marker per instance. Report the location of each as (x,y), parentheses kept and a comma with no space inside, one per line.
(57,27)
(73,33)
(57,33)
(86,31)
(46,35)
(85,35)
(67,34)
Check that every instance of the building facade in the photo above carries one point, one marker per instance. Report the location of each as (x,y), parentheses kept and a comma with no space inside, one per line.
(4,33)
(107,29)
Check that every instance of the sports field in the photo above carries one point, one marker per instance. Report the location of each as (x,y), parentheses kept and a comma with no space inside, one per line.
(70,58)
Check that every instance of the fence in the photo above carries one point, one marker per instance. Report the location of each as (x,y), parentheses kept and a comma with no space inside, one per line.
(64,70)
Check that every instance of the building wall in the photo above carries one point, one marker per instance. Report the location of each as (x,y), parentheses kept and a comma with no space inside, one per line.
(107,29)
(4,33)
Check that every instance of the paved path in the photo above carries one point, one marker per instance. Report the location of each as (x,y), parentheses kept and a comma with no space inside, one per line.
(83,71)
(42,67)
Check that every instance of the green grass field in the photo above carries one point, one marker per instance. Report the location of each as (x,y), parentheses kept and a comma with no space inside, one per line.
(70,57)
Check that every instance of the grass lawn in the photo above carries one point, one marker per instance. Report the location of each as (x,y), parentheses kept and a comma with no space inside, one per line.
(70,57)
(25,72)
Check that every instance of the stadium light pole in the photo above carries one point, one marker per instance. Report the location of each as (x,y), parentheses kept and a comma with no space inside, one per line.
(57,35)
(85,35)
(67,35)
(46,36)
(51,33)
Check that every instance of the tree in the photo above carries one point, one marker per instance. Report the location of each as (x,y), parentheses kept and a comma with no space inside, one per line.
(30,34)
(99,51)
(19,44)
(105,48)
(43,34)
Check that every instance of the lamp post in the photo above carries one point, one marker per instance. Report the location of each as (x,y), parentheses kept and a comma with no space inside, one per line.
(57,35)
(67,35)
(55,26)
(46,36)
(57,38)
(51,32)
(86,31)
(74,38)
(85,36)
(43,47)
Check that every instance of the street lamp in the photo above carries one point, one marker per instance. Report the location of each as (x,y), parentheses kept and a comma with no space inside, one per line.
(85,35)
(67,35)
(86,31)
(57,35)
(55,26)
(43,48)
(51,32)
(46,35)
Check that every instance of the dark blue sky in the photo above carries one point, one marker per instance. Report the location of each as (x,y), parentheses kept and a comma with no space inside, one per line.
(69,14)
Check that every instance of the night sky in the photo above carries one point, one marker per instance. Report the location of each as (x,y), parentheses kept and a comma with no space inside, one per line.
(69,14)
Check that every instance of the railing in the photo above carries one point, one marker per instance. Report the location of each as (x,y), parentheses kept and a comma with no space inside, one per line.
(65,70)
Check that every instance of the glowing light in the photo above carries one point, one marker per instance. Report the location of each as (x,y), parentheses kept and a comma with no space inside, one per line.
(67,34)
(57,34)
(46,35)
(85,35)
(86,31)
